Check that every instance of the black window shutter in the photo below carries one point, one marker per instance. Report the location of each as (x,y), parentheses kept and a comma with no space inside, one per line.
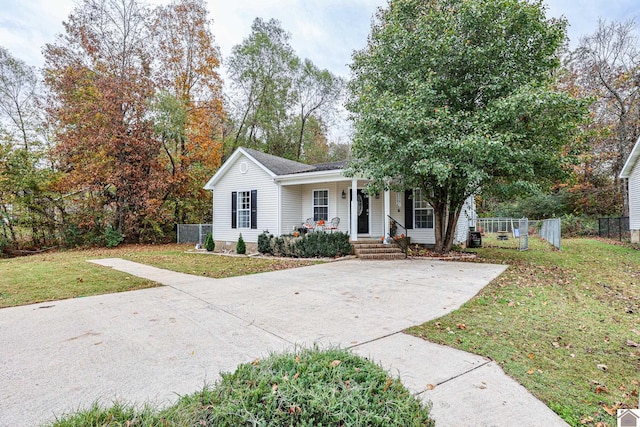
(234,209)
(254,209)
(408,209)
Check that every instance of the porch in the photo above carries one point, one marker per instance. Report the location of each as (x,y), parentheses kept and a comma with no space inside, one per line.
(361,215)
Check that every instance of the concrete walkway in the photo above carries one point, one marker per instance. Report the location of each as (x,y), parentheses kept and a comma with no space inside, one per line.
(155,344)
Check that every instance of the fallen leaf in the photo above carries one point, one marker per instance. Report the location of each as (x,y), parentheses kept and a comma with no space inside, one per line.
(530,371)
(388,384)
(602,367)
(274,388)
(531,356)
(295,377)
(430,386)
(461,326)
(555,345)
(632,344)
(601,389)
(255,362)
(611,411)
(297,359)
(335,363)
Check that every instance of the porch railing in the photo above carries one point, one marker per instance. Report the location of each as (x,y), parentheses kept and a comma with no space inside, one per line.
(397,235)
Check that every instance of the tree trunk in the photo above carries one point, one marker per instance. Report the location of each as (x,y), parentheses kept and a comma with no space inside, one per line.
(445,222)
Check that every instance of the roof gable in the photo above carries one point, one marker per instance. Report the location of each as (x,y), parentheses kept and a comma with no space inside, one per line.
(273,165)
(277,165)
(631,160)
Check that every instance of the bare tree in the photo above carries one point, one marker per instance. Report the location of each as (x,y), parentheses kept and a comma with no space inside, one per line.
(18,98)
(608,62)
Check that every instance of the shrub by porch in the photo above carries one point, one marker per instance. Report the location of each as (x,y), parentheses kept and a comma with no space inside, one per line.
(310,245)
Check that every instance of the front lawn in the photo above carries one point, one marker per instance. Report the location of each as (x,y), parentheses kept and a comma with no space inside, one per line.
(565,324)
(67,274)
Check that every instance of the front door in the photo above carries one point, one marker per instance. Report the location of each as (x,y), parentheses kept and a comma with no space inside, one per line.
(363,213)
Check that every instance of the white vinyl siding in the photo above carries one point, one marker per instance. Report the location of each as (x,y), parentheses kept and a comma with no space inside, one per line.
(291,213)
(376,216)
(634,197)
(468,213)
(234,180)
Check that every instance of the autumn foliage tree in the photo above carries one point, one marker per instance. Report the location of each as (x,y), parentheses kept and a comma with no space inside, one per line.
(605,68)
(135,98)
(190,102)
(99,80)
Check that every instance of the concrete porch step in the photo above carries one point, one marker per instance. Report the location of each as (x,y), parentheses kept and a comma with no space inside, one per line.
(370,249)
(385,256)
(390,249)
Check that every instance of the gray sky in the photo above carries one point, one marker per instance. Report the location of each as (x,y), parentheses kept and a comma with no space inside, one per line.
(325,31)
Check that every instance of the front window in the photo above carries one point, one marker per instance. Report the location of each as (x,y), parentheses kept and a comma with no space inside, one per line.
(244,209)
(423,213)
(320,205)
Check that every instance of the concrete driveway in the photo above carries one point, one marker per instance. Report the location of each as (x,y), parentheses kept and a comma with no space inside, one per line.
(156,344)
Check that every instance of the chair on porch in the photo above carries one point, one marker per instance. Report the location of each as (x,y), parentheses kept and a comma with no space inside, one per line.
(333,224)
(310,224)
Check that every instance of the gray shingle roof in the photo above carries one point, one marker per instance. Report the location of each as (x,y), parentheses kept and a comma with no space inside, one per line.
(280,166)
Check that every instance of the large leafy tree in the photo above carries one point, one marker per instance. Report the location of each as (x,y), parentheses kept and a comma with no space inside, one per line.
(275,96)
(606,68)
(188,107)
(26,200)
(261,71)
(455,97)
(99,79)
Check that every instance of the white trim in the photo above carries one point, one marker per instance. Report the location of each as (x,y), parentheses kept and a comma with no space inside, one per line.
(631,160)
(230,161)
(386,211)
(353,223)
(279,209)
(312,177)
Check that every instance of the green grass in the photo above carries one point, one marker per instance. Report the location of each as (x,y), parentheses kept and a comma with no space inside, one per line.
(307,388)
(67,274)
(563,323)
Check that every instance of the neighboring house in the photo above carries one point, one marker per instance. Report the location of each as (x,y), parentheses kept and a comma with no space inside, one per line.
(254,192)
(631,171)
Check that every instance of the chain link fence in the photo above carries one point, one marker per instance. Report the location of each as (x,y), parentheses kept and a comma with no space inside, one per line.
(193,233)
(551,231)
(512,233)
(614,228)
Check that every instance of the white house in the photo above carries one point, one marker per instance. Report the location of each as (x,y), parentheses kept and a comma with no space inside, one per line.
(254,192)
(631,171)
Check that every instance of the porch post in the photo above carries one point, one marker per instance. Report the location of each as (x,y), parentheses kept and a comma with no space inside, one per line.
(354,210)
(387,212)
